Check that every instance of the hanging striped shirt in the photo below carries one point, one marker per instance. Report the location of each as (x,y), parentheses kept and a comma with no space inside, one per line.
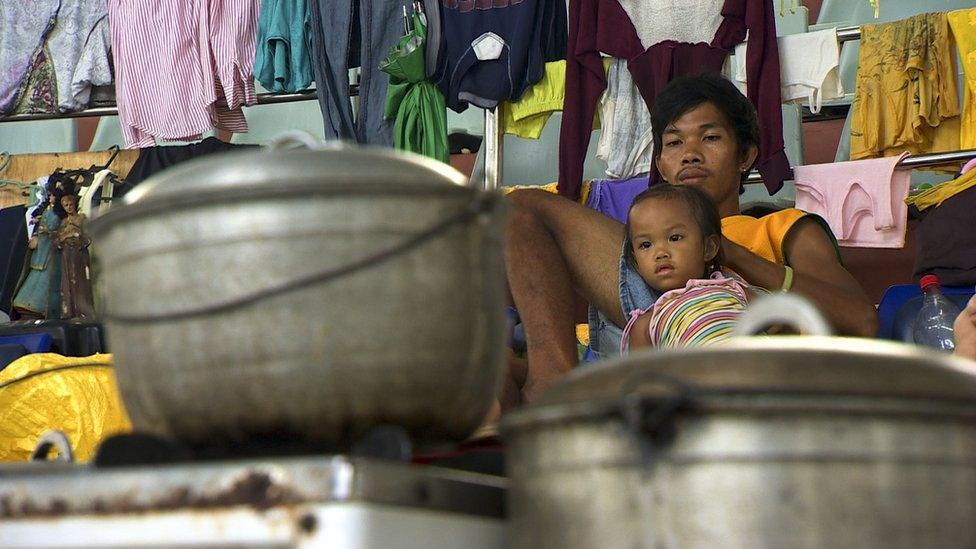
(702,313)
(174,59)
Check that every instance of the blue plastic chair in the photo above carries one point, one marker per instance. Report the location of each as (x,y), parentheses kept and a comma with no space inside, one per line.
(37,342)
(900,305)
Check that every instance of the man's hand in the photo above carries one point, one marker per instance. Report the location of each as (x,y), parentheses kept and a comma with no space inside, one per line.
(817,275)
(964,330)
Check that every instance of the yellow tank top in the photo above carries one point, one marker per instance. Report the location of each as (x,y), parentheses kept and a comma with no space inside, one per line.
(764,236)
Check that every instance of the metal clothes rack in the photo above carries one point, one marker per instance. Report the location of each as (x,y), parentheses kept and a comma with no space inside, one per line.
(109,110)
(909,162)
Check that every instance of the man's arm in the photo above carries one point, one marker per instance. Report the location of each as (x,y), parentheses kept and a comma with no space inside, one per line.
(818,276)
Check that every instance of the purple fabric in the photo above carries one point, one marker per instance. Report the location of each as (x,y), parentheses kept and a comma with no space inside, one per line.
(23,26)
(613,197)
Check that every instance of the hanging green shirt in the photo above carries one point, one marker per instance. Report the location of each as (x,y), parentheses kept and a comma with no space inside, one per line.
(417,104)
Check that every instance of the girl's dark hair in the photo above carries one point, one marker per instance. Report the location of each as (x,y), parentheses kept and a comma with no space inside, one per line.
(703,210)
(684,94)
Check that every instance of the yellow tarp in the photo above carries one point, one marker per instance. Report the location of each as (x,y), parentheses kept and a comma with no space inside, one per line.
(46,391)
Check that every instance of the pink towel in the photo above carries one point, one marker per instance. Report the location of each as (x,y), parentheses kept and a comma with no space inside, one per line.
(863,201)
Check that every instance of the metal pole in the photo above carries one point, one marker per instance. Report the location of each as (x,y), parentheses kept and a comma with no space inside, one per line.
(848,33)
(937,159)
(111,109)
(493,150)
(909,162)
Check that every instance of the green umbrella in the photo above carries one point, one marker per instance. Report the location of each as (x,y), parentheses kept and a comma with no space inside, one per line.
(417,104)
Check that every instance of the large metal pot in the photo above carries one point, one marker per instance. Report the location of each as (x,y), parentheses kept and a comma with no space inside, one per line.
(766,442)
(304,293)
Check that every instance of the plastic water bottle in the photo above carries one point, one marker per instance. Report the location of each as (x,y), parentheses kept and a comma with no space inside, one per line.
(933,325)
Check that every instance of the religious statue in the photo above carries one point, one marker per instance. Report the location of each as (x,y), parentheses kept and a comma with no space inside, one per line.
(38,293)
(73,241)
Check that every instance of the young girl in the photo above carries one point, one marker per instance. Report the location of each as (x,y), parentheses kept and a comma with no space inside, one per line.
(674,238)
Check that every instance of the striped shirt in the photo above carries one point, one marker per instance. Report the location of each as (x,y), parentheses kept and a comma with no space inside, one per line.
(174,59)
(702,313)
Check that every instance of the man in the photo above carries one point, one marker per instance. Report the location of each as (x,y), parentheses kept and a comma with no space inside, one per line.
(706,134)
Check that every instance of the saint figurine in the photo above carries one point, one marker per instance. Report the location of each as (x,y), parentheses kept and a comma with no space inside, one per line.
(39,289)
(76,287)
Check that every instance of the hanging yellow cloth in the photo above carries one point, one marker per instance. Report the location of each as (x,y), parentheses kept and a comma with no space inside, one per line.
(906,96)
(527,117)
(940,193)
(46,391)
(552,188)
(963,24)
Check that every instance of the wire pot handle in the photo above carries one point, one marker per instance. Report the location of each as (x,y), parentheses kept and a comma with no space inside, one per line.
(300,138)
(781,308)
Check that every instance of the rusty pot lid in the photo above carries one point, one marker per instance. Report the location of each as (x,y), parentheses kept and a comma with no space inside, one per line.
(806,368)
(264,173)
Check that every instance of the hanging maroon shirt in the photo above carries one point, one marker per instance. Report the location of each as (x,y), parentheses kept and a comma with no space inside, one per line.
(603,26)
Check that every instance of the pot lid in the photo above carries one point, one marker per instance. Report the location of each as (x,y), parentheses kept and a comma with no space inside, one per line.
(264,172)
(777,365)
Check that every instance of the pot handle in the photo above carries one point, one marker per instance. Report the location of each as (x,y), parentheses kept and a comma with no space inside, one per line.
(781,308)
(291,138)
(53,440)
(654,416)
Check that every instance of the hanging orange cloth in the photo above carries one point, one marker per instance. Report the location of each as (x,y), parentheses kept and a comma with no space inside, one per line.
(906,97)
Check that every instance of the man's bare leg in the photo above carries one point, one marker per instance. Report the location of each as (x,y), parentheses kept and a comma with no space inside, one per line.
(553,246)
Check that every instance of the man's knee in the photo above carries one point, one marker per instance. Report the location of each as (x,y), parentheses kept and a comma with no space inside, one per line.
(535,206)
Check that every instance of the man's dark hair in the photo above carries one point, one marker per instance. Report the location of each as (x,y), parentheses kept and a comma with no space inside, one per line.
(684,94)
(703,210)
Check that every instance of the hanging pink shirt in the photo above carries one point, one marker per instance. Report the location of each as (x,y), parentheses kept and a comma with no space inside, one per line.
(174,59)
(863,201)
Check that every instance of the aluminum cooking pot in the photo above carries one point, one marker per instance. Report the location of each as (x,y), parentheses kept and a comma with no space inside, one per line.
(784,441)
(307,293)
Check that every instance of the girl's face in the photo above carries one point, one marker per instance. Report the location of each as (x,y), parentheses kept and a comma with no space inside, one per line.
(668,244)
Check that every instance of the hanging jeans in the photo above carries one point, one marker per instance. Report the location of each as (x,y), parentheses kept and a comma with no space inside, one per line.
(380,26)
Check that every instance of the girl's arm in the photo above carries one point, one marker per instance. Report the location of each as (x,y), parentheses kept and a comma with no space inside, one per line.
(639,334)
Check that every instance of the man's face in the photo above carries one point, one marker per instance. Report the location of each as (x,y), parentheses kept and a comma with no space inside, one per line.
(700,149)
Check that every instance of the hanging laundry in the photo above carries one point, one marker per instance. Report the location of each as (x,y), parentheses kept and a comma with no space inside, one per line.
(282,59)
(613,197)
(38,92)
(808,65)
(942,192)
(555,30)
(174,60)
(156,159)
(528,116)
(626,143)
(23,26)
(906,97)
(863,201)
(947,235)
(550,188)
(491,52)
(963,25)
(79,48)
(348,34)
(663,40)
(413,100)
